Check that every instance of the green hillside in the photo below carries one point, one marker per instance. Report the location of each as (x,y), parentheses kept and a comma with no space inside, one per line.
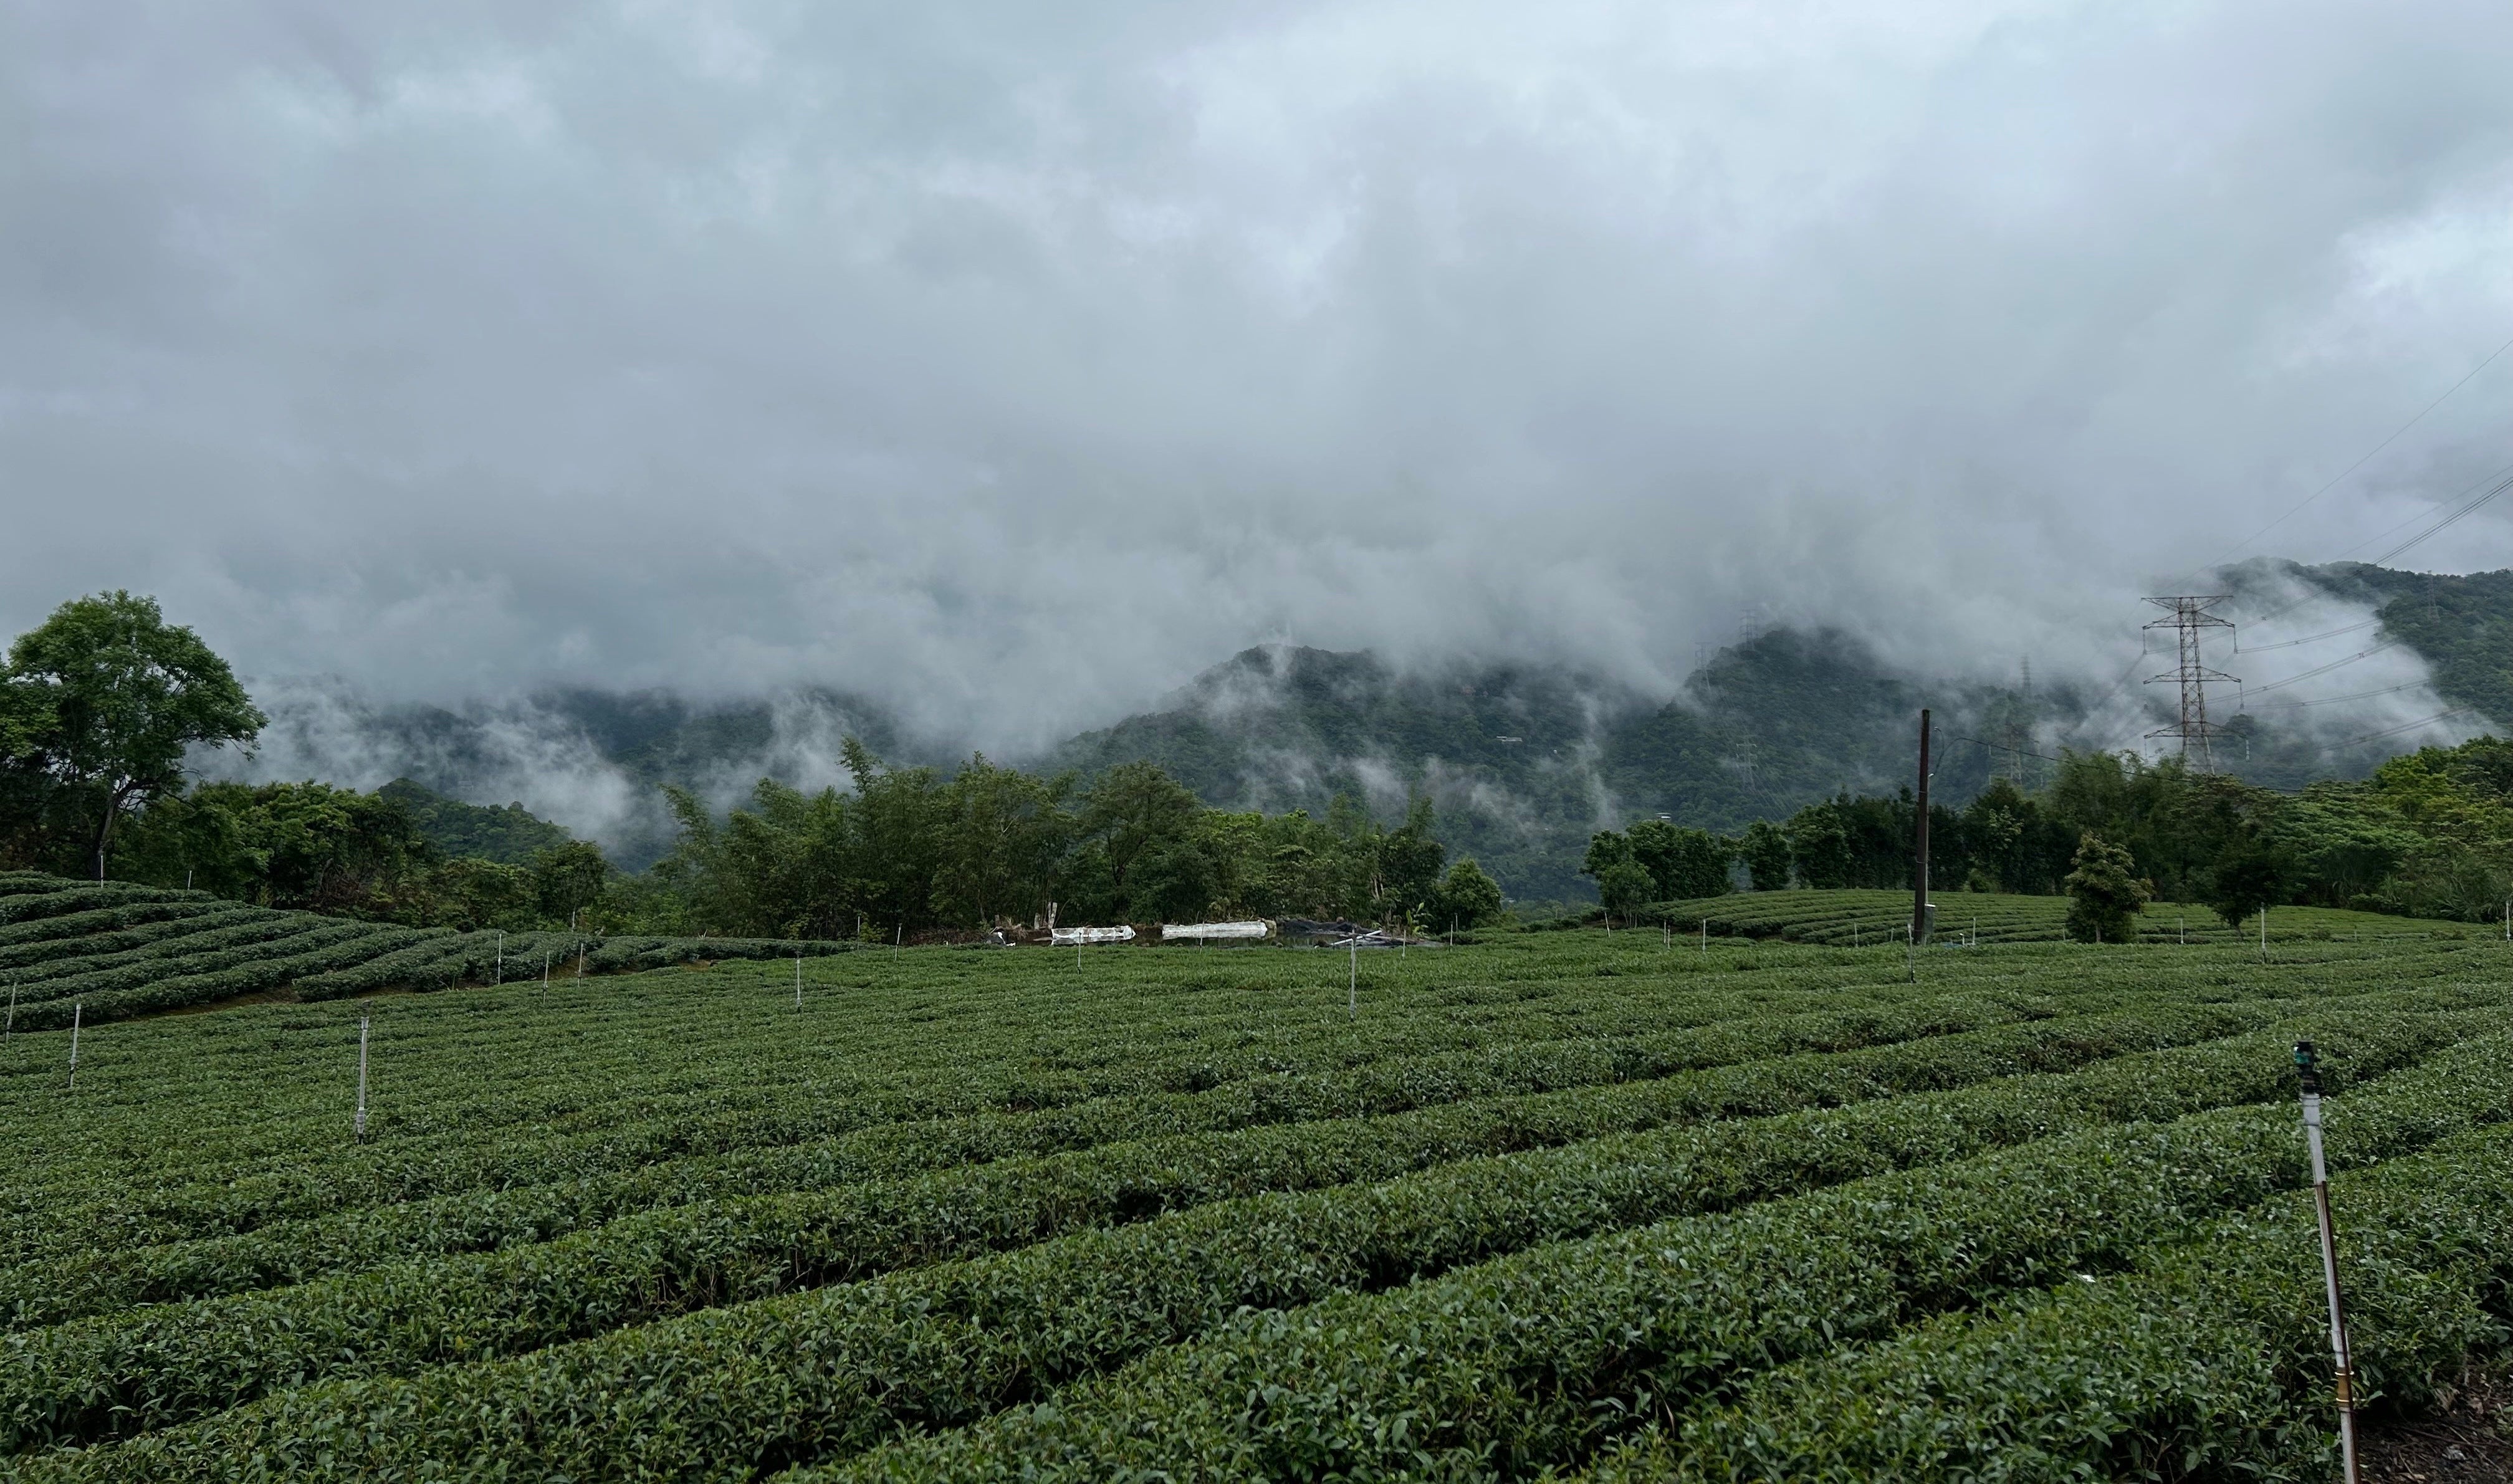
(508,834)
(2460,625)
(110,950)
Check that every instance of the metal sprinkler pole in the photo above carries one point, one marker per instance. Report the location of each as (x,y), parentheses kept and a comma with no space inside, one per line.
(2309,1072)
(11,1032)
(76,1012)
(1352,983)
(502,957)
(798,979)
(361,1123)
(1920,919)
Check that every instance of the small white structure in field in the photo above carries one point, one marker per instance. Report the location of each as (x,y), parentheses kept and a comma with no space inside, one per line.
(1215,932)
(1080,936)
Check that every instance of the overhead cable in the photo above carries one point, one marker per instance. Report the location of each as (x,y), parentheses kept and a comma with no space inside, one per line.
(2277,685)
(2410,727)
(2332,700)
(2004,747)
(2437,529)
(2369,455)
(2262,649)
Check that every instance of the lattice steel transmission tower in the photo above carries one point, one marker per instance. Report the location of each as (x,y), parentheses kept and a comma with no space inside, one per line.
(2189,617)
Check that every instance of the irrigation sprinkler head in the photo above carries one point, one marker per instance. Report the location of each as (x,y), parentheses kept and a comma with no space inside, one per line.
(2307,1067)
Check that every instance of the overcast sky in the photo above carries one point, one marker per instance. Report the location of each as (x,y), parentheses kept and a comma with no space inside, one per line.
(1013,361)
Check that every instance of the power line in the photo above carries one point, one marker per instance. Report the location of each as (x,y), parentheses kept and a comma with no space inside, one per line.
(2004,747)
(2410,727)
(2262,649)
(2368,454)
(2143,650)
(2397,526)
(2332,700)
(2452,519)
(2279,685)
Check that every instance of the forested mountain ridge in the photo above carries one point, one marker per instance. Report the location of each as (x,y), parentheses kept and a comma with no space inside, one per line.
(1525,763)
(1522,760)
(2461,626)
(1507,753)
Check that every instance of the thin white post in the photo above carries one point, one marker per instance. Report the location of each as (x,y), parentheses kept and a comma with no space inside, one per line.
(544,968)
(77,1010)
(1352,984)
(579,958)
(1705,935)
(502,957)
(2264,934)
(2340,1354)
(361,1124)
(900,937)
(798,979)
(11,1032)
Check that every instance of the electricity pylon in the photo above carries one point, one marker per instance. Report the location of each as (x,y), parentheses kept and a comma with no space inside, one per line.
(2188,616)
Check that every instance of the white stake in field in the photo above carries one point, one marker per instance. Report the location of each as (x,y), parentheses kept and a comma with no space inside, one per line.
(2308,1069)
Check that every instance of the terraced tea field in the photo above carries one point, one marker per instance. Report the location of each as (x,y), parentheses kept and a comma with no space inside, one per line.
(1568,1205)
(107,950)
(1881,919)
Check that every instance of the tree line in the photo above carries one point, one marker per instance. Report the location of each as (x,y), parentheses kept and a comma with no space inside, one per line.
(104,705)
(911,847)
(2429,834)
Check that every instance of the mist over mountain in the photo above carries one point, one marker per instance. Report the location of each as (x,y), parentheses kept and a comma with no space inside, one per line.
(1522,761)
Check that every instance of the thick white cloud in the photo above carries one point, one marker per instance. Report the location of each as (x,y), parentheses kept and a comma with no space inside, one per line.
(1012,362)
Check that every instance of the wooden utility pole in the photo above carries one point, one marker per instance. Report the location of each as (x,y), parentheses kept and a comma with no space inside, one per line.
(1920,875)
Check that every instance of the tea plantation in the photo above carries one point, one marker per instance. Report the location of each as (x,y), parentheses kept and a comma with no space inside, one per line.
(1855,918)
(107,950)
(1563,1205)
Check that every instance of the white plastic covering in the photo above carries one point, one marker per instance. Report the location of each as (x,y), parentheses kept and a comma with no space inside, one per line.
(1071,935)
(1212,930)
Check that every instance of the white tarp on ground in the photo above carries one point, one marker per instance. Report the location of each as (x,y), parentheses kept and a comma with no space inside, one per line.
(1210,931)
(1071,936)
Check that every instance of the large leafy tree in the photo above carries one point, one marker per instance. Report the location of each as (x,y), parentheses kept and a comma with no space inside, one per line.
(1466,897)
(106,699)
(2104,894)
(1003,833)
(1684,863)
(2248,878)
